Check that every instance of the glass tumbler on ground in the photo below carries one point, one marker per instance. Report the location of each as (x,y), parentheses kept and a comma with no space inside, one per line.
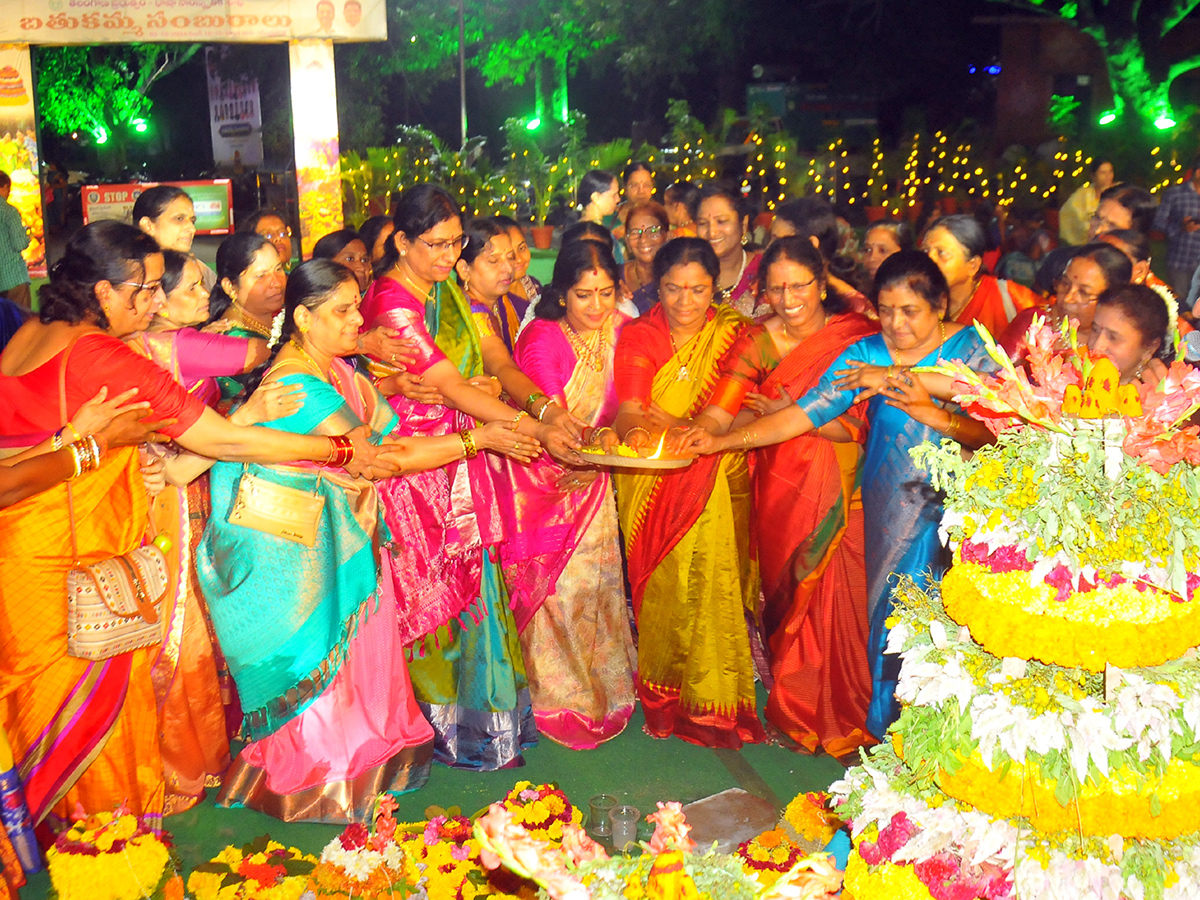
(624,826)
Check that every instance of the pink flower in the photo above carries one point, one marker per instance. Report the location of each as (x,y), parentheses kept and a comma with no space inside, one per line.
(670,829)
(460,852)
(354,837)
(897,833)
(579,847)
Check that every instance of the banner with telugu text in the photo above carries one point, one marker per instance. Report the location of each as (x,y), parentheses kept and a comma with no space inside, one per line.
(19,151)
(235,115)
(192,21)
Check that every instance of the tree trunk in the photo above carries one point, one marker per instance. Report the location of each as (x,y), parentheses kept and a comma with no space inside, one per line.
(539,91)
(559,100)
(1131,79)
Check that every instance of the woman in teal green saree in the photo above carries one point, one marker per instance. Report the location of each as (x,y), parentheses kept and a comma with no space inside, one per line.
(311,633)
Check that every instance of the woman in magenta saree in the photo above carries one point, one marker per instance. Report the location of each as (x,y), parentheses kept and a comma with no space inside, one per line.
(807,523)
(562,560)
(466,664)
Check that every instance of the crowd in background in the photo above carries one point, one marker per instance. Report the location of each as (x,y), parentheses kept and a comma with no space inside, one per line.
(455,576)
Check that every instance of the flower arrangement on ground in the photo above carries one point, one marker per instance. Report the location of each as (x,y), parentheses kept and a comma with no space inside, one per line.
(368,863)
(667,868)
(542,809)
(260,870)
(445,849)
(113,856)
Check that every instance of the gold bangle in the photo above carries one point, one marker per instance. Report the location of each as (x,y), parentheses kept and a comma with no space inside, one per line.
(519,416)
(545,406)
(952,425)
(747,440)
(75,457)
(630,431)
(75,430)
(56,439)
(470,451)
(533,398)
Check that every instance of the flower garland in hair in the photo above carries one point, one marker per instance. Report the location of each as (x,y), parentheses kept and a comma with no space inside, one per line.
(276,330)
(1174,338)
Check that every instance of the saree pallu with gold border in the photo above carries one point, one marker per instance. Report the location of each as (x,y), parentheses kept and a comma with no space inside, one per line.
(465,657)
(312,634)
(687,536)
(191,681)
(808,537)
(562,563)
(81,732)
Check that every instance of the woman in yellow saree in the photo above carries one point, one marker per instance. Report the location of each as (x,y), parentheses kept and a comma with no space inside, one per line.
(687,531)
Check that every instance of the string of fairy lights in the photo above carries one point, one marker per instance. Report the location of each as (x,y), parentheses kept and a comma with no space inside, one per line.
(924,168)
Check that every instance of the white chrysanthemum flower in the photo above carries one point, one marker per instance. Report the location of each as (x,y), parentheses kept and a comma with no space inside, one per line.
(1143,711)
(360,866)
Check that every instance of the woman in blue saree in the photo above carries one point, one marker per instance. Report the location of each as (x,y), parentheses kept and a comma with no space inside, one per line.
(901,510)
(311,633)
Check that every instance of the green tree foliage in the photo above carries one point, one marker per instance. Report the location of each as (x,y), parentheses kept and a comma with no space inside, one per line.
(545,38)
(1143,57)
(101,89)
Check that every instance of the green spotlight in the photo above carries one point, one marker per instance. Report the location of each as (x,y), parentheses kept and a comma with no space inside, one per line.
(141,126)
(100,133)
(1107,117)
(1164,122)
(535,123)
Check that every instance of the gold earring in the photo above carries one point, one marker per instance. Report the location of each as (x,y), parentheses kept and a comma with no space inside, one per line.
(562,302)
(745,239)
(303,329)
(822,296)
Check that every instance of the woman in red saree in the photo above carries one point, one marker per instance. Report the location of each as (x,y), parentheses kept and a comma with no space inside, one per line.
(687,531)
(84,731)
(957,244)
(807,524)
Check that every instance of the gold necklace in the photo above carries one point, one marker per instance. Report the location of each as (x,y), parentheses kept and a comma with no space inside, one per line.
(423,294)
(243,319)
(726,293)
(683,374)
(974,291)
(595,358)
(324,376)
(942,326)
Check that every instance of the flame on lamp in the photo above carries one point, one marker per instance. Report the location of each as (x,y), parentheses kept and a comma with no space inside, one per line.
(657,454)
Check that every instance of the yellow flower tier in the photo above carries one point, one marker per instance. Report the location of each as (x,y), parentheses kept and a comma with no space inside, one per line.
(886,880)
(1120,626)
(1124,797)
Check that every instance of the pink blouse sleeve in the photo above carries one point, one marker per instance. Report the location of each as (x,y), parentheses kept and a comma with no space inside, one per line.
(386,304)
(544,354)
(204,355)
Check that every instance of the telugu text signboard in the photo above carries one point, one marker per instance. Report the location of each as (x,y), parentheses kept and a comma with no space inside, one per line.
(213,200)
(192,21)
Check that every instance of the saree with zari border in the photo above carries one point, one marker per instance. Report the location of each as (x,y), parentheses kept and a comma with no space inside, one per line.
(312,634)
(687,534)
(562,559)
(80,731)
(808,538)
(464,652)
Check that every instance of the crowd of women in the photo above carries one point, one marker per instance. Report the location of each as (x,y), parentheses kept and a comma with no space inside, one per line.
(383,544)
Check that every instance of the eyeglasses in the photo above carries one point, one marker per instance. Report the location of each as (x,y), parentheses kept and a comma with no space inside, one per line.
(652,231)
(440,247)
(1104,224)
(277,235)
(143,290)
(1064,288)
(779,291)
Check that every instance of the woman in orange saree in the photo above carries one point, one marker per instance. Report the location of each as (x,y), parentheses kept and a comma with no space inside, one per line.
(807,524)
(687,531)
(81,731)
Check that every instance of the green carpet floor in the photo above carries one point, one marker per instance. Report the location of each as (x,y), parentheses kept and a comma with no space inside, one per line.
(633,766)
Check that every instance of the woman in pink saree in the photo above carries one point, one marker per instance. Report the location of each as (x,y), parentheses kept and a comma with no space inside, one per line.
(562,561)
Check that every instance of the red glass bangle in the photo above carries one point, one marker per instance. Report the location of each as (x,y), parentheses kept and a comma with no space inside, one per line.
(341,452)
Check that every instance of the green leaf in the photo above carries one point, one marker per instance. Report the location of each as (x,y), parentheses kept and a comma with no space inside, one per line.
(258,845)
(213,868)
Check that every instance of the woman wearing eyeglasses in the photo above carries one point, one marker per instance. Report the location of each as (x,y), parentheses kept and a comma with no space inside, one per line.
(1092,270)
(467,670)
(646,229)
(274,228)
(807,521)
